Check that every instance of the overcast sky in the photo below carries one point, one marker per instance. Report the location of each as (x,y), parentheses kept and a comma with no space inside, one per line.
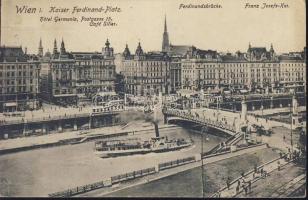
(230,28)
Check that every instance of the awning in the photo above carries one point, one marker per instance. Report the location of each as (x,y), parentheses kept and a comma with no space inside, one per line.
(64,95)
(185,92)
(243,91)
(10,104)
(106,93)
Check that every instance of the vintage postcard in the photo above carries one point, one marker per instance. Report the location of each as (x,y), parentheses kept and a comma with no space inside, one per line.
(153,98)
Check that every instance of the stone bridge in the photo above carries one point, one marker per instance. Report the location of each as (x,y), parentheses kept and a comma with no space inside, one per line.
(181,115)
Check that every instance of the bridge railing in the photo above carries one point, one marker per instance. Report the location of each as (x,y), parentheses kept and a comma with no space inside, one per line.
(190,117)
(51,118)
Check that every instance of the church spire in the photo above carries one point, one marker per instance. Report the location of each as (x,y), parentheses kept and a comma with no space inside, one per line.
(55,48)
(40,49)
(165,45)
(165,30)
(62,49)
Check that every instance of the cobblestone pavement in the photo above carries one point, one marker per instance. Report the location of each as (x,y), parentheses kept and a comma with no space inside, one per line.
(232,191)
(279,183)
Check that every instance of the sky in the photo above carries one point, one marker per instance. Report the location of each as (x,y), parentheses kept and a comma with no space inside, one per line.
(226,29)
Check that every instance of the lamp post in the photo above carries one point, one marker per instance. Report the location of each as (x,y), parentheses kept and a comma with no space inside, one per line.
(291,128)
(203,132)
(262,104)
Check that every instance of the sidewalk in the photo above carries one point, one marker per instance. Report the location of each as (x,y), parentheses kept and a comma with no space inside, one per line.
(231,192)
(276,110)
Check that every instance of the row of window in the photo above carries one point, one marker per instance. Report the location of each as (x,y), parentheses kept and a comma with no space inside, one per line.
(20,81)
(13,67)
(18,89)
(12,74)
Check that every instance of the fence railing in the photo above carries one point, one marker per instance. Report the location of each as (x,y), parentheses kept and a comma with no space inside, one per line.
(132,175)
(177,162)
(53,118)
(106,183)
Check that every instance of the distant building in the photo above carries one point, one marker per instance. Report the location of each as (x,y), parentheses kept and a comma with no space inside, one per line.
(257,69)
(72,78)
(146,73)
(176,53)
(19,80)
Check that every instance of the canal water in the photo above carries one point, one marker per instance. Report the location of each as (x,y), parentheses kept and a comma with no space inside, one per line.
(43,171)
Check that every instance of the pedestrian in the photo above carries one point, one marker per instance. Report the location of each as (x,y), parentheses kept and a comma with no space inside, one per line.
(238,183)
(237,189)
(228,183)
(249,186)
(219,194)
(278,163)
(284,138)
(245,189)
(255,168)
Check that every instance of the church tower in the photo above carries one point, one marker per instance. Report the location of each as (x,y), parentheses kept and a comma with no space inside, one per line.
(62,49)
(55,48)
(40,49)
(165,46)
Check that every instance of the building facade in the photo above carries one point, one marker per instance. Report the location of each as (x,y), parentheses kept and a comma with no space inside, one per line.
(75,77)
(257,69)
(146,73)
(19,80)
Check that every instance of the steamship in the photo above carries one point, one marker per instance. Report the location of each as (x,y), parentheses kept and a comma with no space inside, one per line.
(114,148)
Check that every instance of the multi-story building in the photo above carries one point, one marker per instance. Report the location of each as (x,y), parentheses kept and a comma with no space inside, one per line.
(200,69)
(146,73)
(293,71)
(19,79)
(78,76)
(258,69)
(176,53)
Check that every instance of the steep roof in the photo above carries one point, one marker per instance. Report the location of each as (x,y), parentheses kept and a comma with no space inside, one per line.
(179,49)
(12,54)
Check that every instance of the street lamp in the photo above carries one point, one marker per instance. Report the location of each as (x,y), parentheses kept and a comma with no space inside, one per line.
(262,104)
(291,127)
(203,132)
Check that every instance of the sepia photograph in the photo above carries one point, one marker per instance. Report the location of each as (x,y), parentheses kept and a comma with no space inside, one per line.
(153,98)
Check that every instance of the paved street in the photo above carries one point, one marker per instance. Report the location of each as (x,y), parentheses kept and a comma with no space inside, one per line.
(278,184)
(252,177)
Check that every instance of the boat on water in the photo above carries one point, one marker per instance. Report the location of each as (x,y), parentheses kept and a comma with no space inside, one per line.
(114,148)
(130,146)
